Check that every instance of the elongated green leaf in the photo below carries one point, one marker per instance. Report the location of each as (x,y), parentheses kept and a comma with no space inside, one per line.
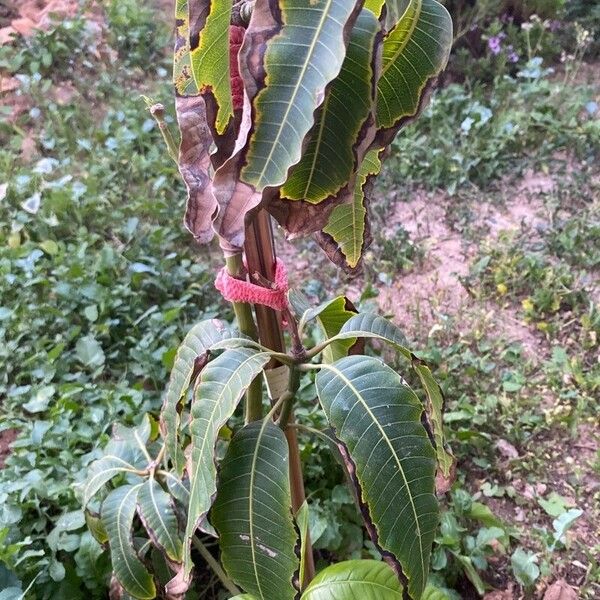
(347,233)
(414,53)
(253,515)
(120,458)
(436,418)
(179,489)
(329,158)
(355,580)
(305,49)
(370,325)
(222,384)
(118,511)
(157,512)
(209,52)
(193,349)
(377,420)
(374,326)
(303,522)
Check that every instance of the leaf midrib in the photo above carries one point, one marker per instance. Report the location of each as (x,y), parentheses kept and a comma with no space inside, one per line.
(356,392)
(416,7)
(297,87)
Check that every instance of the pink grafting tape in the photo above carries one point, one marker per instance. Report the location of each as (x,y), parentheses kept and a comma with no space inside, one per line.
(237,290)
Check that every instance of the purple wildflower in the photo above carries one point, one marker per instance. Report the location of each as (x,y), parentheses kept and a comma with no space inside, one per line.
(495,45)
(512,56)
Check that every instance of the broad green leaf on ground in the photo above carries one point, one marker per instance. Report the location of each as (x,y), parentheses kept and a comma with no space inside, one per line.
(118,510)
(252,513)
(183,79)
(293,49)
(390,459)
(370,325)
(192,350)
(209,54)
(329,159)
(222,384)
(157,512)
(525,567)
(435,410)
(347,233)
(355,580)
(415,51)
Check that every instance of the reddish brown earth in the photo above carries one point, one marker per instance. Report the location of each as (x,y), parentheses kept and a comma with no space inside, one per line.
(7,437)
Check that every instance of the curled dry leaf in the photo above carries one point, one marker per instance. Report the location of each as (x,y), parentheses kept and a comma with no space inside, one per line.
(560,590)
(195,165)
(177,587)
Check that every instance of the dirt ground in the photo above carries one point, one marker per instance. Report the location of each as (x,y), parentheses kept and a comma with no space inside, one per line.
(433,292)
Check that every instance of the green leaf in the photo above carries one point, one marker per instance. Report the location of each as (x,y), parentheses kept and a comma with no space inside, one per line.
(471,572)
(524,566)
(222,384)
(252,513)
(435,410)
(118,511)
(563,523)
(555,505)
(157,512)
(209,54)
(96,527)
(89,352)
(370,325)
(303,522)
(414,53)
(119,458)
(331,317)
(179,490)
(354,579)
(390,459)
(305,48)
(329,159)
(192,350)
(347,235)
(433,592)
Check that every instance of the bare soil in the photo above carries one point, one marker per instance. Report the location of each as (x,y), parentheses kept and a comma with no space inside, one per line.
(7,437)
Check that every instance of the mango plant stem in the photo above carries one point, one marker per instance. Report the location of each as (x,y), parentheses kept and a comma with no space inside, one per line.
(260,254)
(215,566)
(245,321)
